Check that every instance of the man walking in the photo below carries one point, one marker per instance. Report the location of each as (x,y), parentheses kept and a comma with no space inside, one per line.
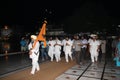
(34,53)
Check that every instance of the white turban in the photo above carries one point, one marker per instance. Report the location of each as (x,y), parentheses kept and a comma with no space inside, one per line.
(93,35)
(33,37)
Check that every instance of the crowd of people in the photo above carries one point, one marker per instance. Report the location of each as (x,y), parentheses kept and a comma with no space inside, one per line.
(78,48)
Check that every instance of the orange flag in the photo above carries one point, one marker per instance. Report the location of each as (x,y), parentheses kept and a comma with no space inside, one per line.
(41,35)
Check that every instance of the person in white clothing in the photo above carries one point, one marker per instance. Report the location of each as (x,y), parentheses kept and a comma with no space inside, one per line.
(94,45)
(34,53)
(63,41)
(51,48)
(68,49)
(102,49)
(57,49)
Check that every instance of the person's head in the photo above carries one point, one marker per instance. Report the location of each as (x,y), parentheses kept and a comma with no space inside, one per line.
(50,38)
(23,38)
(76,37)
(67,38)
(56,38)
(93,36)
(33,37)
(82,37)
(6,27)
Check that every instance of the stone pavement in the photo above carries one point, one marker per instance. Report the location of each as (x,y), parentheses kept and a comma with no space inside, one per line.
(105,70)
(15,62)
(91,71)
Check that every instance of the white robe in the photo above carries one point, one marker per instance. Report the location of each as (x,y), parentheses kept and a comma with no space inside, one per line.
(57,50)
(34,56)
(68,49)
(51,49)
(93,49)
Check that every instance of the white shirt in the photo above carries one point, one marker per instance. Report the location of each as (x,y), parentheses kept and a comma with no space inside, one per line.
(84,42)
(94,45)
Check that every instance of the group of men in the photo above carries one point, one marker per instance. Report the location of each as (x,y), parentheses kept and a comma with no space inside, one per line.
(76,47)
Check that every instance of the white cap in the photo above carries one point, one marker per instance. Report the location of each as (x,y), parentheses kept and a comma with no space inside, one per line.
(93,35)
(113,37)
(33,37)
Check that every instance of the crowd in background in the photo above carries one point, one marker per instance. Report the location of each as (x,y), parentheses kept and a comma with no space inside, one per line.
(67,46)
(74,47)
(80,48)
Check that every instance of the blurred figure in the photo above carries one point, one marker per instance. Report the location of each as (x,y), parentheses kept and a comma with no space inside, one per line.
(84,47)
(6,32)
(77,49)
(68,49)
(102,49)
(114,44)
(51,48)
(43,51)
(117,53)
(94,46)
(23,44)
(57,49)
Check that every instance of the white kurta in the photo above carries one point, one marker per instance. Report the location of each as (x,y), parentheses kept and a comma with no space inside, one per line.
(93,49)
(57,50)
(34,56)
(68,49)
(51,49)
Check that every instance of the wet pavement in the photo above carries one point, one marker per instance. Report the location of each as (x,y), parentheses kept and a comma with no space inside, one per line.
(14,62)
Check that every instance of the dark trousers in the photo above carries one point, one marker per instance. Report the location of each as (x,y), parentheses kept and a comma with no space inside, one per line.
(44,53)
(83,53)
(77,57)
(100,55)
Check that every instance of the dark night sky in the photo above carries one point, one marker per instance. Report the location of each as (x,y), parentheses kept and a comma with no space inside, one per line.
(82,13)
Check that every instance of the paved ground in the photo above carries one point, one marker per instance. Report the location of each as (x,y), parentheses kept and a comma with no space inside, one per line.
(89,71)
(48,71)
(17,67)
